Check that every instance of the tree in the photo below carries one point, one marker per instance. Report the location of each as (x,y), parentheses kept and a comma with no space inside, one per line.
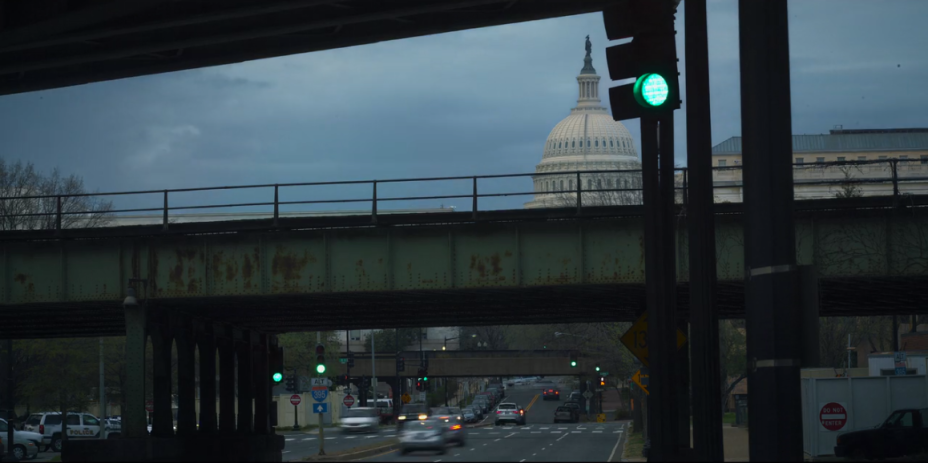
(732,355)
(594,191)
(385,340)
(300,350)
(20,182)
(849,188)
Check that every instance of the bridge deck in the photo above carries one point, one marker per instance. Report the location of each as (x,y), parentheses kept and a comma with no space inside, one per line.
(442,269)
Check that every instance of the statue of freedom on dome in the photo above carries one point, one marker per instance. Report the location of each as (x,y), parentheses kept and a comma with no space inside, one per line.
(589,46)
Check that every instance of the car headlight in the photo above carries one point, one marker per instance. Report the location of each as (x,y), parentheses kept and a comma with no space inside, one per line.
(401,418)
(422,417)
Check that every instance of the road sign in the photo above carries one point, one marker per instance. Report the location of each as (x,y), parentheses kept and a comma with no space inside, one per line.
(343,360)
(422,397)
(636,338)
(898,357)
(149,406)
(601,418)
(833,416)
(604,373)
(320,393)
(587,395)
(641,379)
(349,401)
(321,382)
(406,398)
(295,399)
(320,408)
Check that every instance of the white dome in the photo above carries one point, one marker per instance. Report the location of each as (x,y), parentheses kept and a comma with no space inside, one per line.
(592,134)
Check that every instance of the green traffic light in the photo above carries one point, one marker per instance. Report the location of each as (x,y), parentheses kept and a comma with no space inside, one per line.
(573,363)
(597,367)
(320,368)
(651,90)
(425,378)
(277,377)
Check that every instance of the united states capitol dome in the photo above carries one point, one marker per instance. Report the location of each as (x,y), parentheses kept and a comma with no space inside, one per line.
(587,140)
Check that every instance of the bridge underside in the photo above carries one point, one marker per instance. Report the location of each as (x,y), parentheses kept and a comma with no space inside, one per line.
(442,269)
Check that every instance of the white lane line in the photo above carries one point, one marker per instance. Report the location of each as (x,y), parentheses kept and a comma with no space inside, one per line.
(474,449)
(536,432)
(330,438)
(308,438)
(351,437)
(597,432)
(497,440)
(545,428)
(555,432)
(520,461)
(285,451)
(575,432)
(436,461)
(559,438)
(617,441)
(513,434)
(288,440)
(457,454)
(561,427)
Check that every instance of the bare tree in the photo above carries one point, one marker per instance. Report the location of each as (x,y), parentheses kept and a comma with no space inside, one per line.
(606,189)
(21,210)
(849,188)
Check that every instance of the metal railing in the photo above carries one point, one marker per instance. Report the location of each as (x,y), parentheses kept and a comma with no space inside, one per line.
(897,174)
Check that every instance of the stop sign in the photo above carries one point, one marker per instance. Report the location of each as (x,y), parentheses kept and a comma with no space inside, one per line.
(149,406)
(349,401)
(833,416)
(295,399)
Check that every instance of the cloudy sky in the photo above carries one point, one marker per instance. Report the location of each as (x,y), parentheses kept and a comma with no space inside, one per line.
(465,103)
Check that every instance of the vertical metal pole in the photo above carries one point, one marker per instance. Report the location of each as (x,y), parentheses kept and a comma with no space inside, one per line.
(373,370)
(321,436)
(895,337)
(102,410)
(773,342)
(474,212)
(397,390)
(579,194)
(704,323)
(164,220)
(374,210)
(276,204)
(348,365)
(58,214)
(10,404)
(296,418)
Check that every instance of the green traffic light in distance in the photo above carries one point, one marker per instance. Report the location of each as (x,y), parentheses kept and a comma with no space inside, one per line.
(651,90)
(320,368)
(573,363)
(277,377)
(425,378)
(597,368)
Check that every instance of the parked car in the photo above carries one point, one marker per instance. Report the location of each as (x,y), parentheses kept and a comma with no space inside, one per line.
(26,444)
(905,432)
(564,414)
(80,426)
(482,405)
(385,405)
(361,419)
(470,415)
(427,434)
(508,412)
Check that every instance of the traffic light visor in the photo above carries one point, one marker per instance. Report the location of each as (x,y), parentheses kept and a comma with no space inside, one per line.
(277,377)
(651,90)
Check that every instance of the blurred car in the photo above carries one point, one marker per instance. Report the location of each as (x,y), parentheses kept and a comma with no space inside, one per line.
(361,419)
(565,414)
(482,406)
(551,393)
(470,415)
(25,444)
(575,407)
(509,413)
(575,396)
(453,420)
(411,413)
(427,434)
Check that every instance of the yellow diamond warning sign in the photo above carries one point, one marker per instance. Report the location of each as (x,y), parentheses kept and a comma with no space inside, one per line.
(636,339)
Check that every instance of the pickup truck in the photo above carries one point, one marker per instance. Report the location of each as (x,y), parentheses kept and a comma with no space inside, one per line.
(905,432)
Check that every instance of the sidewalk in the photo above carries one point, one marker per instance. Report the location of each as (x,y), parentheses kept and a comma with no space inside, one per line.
(734,443)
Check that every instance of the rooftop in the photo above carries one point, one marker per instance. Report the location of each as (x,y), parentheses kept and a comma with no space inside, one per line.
(840,141)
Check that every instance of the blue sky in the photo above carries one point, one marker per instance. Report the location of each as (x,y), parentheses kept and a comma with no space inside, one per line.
(465,103)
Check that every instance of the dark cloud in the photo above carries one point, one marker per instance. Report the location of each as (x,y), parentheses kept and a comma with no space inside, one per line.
(472,102)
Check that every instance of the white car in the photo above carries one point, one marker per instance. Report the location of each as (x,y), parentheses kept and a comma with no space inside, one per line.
(26,445)
(80,426)
(361,419)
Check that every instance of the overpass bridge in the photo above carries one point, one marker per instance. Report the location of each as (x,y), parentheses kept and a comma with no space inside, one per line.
(472,363)
(434,269)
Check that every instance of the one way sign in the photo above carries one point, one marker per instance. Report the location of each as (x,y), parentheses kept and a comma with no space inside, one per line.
(321,408)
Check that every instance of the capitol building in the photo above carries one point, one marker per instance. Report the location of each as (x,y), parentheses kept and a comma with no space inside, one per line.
(584,141)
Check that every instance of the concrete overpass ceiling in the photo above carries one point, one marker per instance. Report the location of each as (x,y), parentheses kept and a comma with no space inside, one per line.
(58,43)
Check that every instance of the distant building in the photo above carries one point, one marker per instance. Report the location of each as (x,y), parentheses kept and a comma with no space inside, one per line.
(909,147)
(432,340)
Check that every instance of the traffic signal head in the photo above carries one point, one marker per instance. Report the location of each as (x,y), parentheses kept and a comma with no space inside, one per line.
(277,377)
(320,359)
(277,364)
(291,383)
(597,367)
(573,360)
(602,380)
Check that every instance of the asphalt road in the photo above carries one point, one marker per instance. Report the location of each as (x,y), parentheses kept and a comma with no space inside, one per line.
(298,445)
(539,440)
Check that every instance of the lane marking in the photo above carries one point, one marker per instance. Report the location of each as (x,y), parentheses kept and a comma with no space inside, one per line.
(555,432)
(575,432)
(457,454)
(617,442)
(288,440)
(309,438)
(513,434)
(436,461)
(529,406)
(497,440)
(285,451)
(559,438)
(549,427)
(536,432)
(520,461)
(600,432)
(351,437)
(475,449)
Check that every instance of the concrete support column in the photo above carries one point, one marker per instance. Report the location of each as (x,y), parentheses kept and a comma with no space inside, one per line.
(226,387)
(245,387)
(207,346)
(133,423)
(162,419)
(262,381)
(186,380)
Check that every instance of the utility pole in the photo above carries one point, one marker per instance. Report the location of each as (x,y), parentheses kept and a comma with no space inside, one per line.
(398,389)
(102,390)
(348,355)
(373,370)
(772,302)
(10,404)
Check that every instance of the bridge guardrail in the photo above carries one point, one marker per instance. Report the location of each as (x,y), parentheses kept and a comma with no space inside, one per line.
(889,177)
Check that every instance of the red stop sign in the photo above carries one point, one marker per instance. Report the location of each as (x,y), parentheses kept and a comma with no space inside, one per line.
(295,399)
(149,406)
(349,401)
(833,416)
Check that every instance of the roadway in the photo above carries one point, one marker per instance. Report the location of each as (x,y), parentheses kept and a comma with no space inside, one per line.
(539,440)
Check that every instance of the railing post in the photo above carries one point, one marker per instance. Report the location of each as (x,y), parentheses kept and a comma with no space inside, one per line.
(475,199)
(164,221)
(579,194)
(374,204)
(58,214)
(685,190)
(276,204)
(893,165)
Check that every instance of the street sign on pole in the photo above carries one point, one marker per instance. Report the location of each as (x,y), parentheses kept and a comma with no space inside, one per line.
(587,395)
(149,406)
(321,408)
(604,373)
(406,398)
(295,399)
(636,338)
(349,401)
(320,393)
(343,360)
(641,379)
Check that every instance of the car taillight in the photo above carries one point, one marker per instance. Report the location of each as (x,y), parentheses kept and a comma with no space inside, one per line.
(557,392)
(41,429)
(521,412)
(456,427)
(497,412)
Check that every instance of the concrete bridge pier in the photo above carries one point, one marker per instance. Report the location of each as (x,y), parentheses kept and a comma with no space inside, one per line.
(244,380)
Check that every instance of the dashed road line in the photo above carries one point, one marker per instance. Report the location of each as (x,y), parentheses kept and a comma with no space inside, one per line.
(597,432)
(555,432)
(288,440)
(513,434)
(559,438)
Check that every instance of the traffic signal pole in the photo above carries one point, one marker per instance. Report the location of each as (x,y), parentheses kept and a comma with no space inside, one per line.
(704,320)
(774,346)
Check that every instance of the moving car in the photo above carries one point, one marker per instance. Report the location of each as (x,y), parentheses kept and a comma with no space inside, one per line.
(453,420)
(26,444)
(575,408)
(411,413)
(427,434)
(564,414)
(509,413)
(551,393)
(361,419)
(905,432)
